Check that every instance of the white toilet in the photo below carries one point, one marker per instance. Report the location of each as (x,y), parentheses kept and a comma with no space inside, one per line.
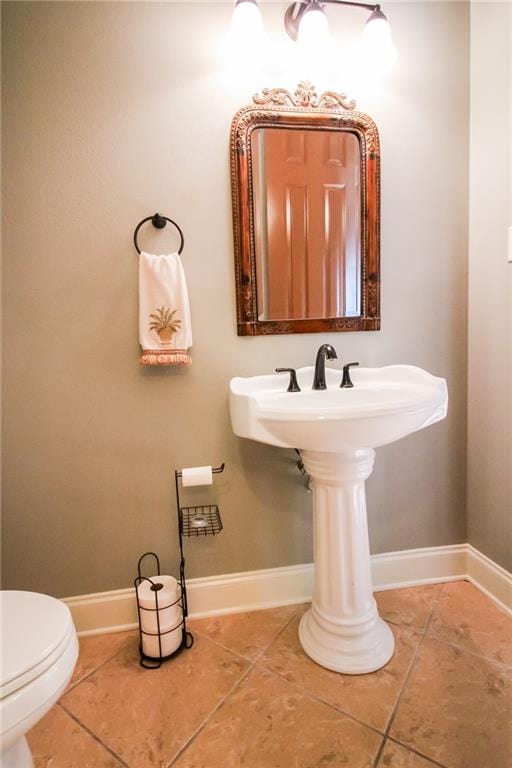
(38,654)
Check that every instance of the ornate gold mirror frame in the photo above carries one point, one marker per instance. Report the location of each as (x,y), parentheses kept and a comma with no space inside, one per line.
(303,110)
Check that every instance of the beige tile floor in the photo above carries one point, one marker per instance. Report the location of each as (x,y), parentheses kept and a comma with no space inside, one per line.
(246,696)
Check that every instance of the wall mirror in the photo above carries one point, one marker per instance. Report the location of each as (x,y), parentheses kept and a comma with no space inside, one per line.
(305,186)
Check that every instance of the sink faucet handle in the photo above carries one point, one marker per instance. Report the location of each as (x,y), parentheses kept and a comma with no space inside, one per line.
(346,381)
(293,386)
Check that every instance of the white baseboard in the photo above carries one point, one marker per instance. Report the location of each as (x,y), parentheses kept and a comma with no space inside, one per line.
(252,590)
(490,578)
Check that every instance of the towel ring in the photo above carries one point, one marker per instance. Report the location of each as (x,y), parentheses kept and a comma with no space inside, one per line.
(159,222)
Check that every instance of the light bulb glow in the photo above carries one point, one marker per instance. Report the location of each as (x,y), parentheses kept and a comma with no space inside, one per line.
(378,48)
(246,25)
(313,30)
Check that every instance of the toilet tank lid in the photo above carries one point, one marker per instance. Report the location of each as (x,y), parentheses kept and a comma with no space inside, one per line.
(32,626)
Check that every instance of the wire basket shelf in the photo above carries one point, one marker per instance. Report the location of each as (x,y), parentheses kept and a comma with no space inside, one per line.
(200,521)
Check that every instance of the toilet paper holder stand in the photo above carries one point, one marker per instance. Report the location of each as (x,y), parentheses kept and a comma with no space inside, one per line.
(187,639)
(202,520)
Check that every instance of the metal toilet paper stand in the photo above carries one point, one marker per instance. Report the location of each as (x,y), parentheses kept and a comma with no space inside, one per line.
(187,640)
(202,520)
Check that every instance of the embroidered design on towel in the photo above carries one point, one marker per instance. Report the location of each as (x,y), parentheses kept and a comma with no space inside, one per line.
(163,324)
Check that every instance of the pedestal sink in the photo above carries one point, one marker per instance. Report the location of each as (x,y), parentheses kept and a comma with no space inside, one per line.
(337,431)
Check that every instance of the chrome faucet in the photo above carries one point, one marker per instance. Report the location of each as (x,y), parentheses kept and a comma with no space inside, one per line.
(326,352)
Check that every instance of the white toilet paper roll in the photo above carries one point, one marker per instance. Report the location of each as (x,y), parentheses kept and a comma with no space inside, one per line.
(196,476)
(167,594)
(169,643)
(169,610)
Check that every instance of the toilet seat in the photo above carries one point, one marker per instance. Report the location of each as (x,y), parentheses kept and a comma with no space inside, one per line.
(31,674)
(27,703)
(38,654)
(36,631)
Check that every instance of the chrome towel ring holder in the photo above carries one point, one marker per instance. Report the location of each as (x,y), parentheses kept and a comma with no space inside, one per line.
(159,222)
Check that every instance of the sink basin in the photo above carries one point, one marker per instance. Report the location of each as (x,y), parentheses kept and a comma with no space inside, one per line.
(337,431)
(384,405)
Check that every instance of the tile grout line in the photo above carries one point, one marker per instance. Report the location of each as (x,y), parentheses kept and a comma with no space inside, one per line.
(78,722)
(379,753)
(415,751)
(457,645)
(434,604)
(410,668)
(85,677)
(229,693)
(224,647)
(407,676)
(461,648)
(236,653)
(202,725)
(93,735)
(280,632)
(403,686)
(311,696)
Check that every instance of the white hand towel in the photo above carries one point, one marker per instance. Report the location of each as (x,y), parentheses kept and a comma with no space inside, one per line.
(165,329)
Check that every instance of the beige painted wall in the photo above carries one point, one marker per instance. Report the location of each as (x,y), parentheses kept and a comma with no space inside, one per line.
(113,111)
(490,285)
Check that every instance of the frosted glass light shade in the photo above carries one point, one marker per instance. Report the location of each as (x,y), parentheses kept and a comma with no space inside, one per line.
(378,48)
(246,24)
(313,30)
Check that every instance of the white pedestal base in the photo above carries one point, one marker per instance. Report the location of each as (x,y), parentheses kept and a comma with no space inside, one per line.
(342,630)
(337,650)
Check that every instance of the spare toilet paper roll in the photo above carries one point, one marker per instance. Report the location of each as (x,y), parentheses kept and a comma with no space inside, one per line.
(196,476)
(169,609)
(169,643)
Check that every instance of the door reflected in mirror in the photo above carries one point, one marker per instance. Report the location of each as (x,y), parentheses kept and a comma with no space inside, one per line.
(307,215)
